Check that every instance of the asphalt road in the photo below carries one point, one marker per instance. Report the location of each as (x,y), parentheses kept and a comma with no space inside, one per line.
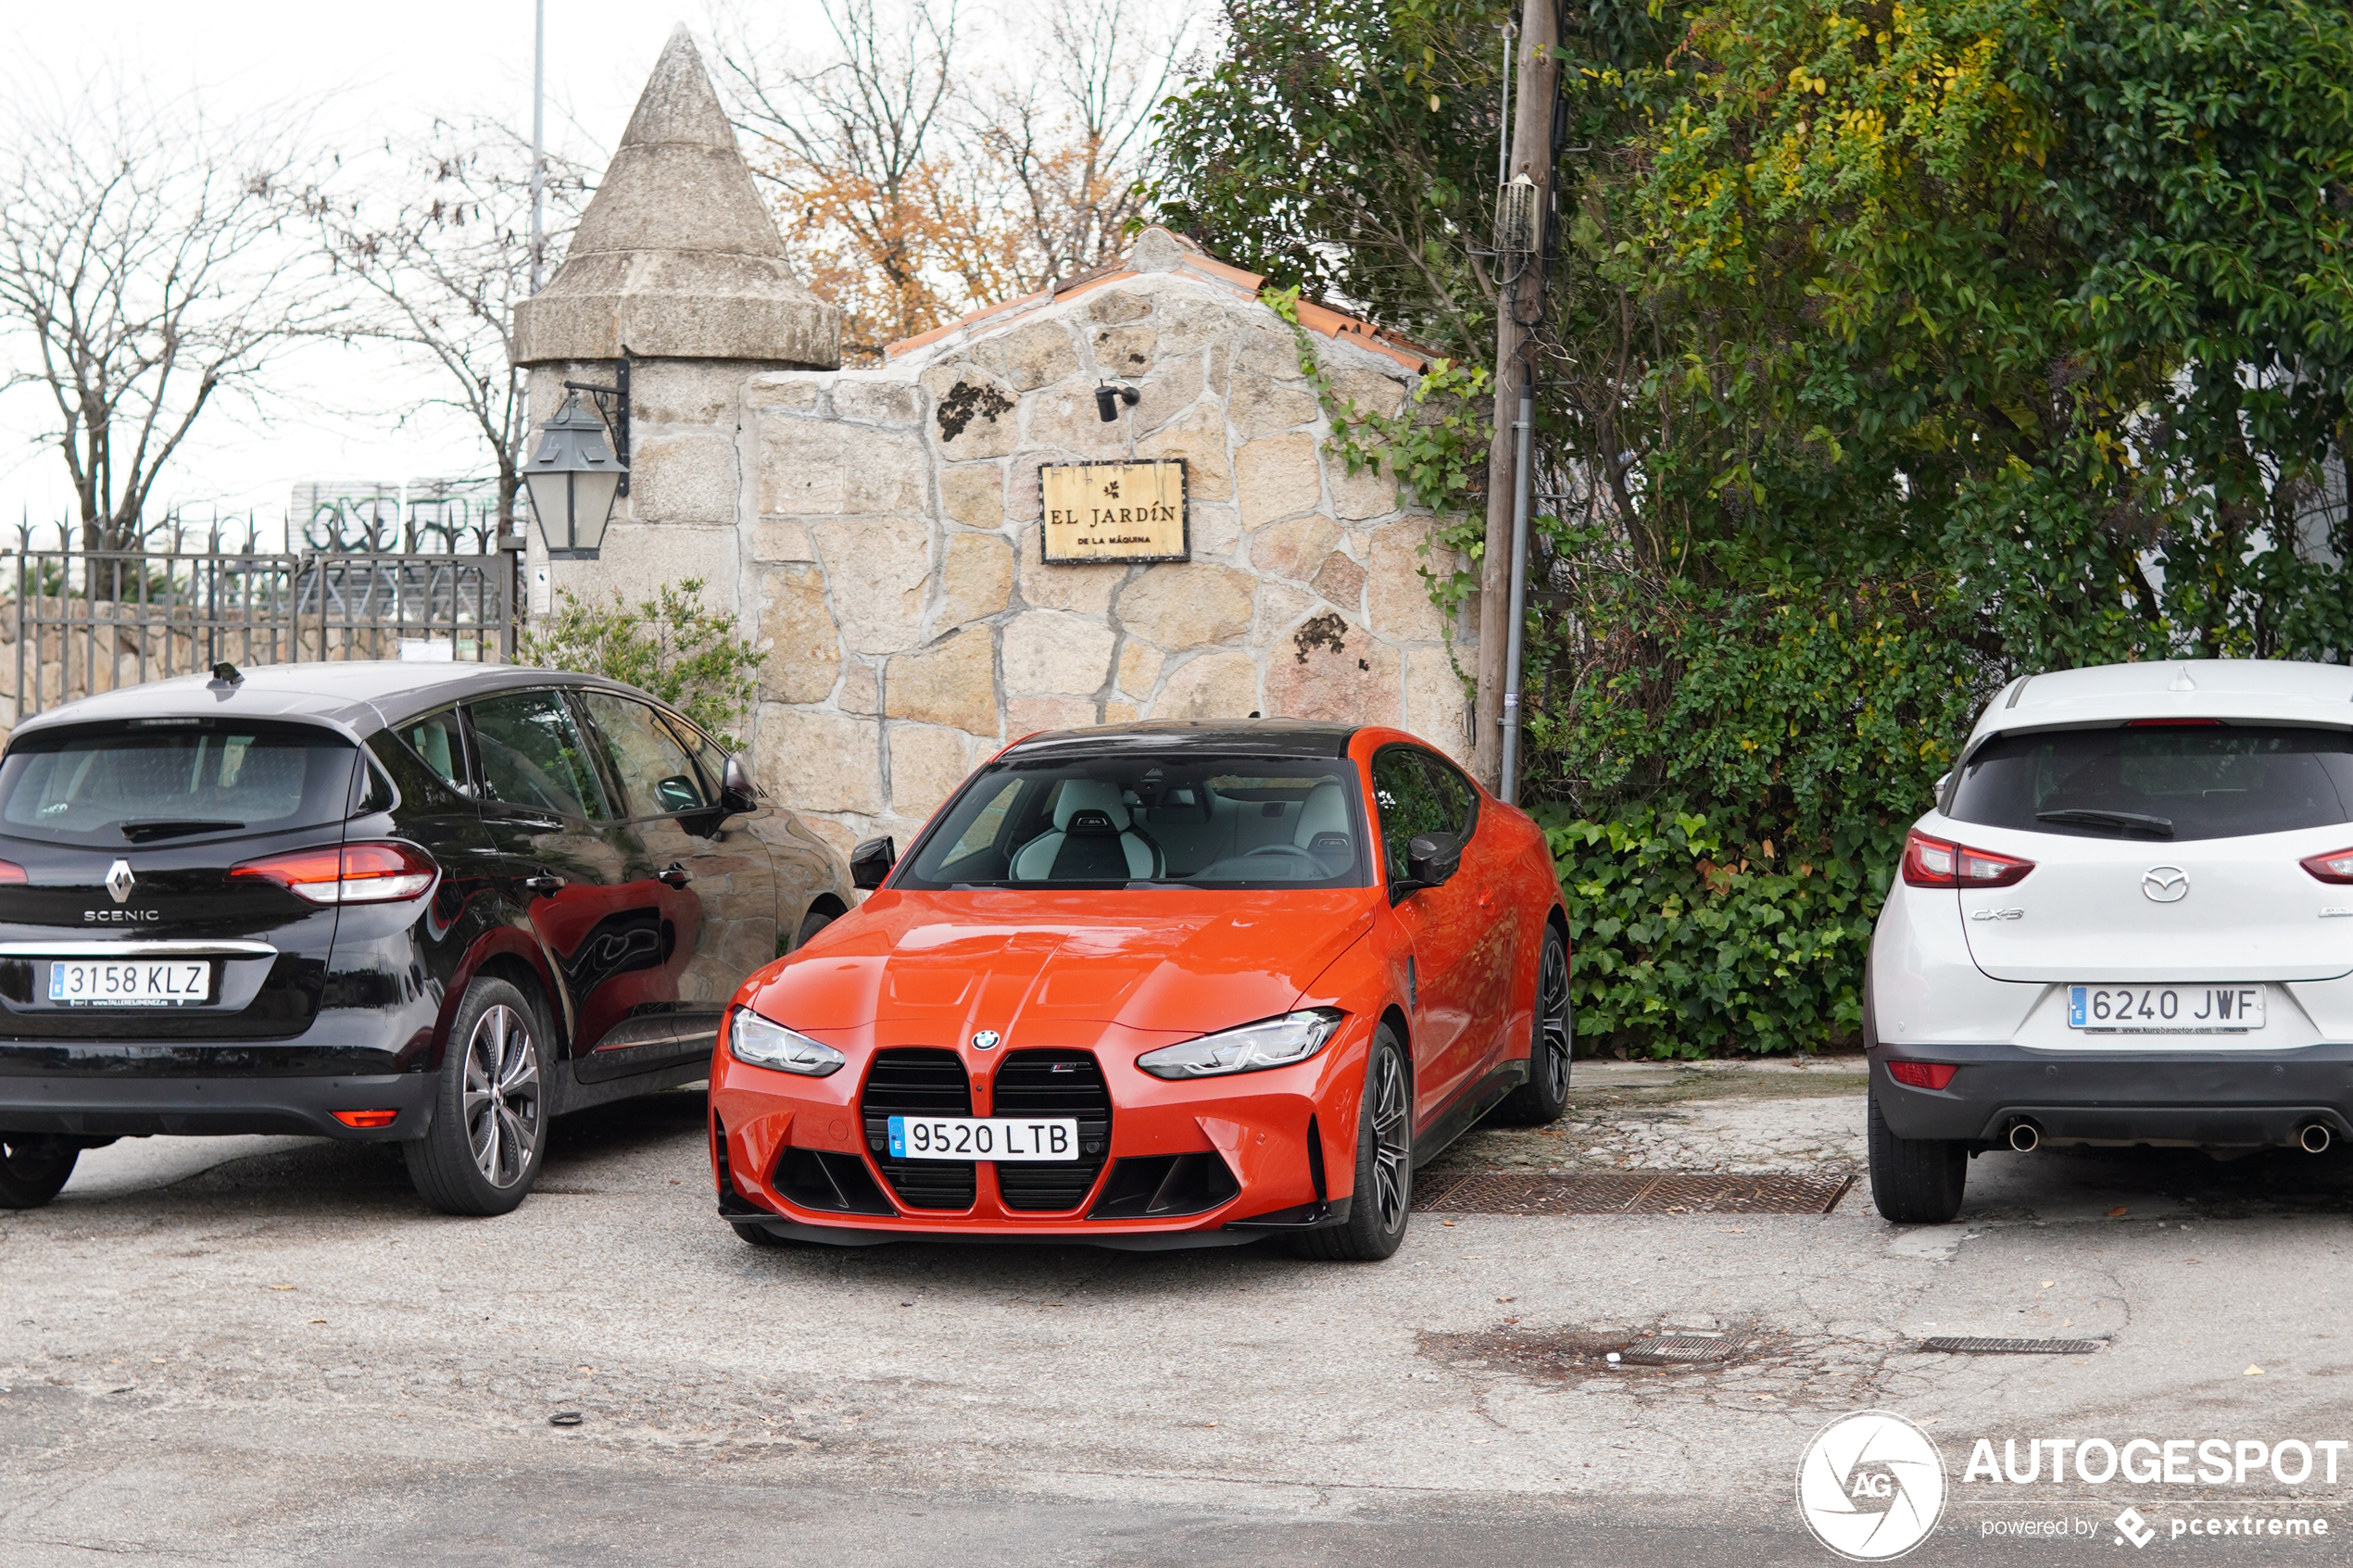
(265,1351)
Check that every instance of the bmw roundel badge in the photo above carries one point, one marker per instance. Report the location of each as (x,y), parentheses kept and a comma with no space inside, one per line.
(985,1040)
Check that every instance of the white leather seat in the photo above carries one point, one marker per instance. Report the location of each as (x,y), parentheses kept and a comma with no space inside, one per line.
(1324,817)
(1093,839)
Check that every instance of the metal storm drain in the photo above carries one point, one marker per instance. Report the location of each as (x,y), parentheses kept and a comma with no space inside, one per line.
(1655,1356)
(1961,1346)
(1680,1349)
(1631,1192)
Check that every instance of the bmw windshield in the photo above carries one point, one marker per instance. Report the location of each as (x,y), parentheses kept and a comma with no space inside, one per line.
(1129,822)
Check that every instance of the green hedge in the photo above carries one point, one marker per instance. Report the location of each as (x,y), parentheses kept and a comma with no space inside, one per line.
(1684,944)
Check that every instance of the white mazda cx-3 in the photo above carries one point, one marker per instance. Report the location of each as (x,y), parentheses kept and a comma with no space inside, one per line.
(2128,921)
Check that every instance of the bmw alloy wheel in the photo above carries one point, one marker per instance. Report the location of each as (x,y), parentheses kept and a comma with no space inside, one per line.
(1391,1146)
(1552,1002)
(502,1094)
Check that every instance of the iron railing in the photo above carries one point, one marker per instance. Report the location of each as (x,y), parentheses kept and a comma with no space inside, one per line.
(89,621)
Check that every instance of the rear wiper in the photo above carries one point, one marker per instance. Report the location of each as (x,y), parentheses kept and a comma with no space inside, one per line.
(172,827)
(2125,822)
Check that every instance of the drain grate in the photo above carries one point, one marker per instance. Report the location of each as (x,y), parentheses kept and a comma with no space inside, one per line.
(1680,1349)
(1632,1192)
(1959,1347)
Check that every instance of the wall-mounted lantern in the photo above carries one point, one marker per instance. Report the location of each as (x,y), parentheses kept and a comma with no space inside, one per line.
(574,476)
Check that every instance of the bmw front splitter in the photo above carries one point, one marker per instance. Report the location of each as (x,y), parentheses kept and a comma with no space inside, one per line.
(1234,1232)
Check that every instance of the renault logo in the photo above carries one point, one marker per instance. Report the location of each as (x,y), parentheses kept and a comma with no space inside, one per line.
(119,881)
(985,1040)
(2165,884)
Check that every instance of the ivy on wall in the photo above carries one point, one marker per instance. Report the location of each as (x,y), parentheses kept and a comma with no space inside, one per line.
(1435,447)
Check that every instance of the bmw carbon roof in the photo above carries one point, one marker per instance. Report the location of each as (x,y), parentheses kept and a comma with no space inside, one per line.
(1222,737)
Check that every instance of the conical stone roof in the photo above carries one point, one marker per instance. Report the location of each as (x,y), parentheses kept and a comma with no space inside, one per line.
(677,257)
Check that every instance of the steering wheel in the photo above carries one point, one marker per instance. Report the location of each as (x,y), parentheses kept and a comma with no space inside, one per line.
(1294,852)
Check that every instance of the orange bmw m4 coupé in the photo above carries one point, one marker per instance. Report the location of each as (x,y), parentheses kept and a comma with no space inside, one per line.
(1160,985)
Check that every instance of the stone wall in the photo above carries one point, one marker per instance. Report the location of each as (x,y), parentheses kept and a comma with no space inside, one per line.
(690,509)
(878,531)
(896,574)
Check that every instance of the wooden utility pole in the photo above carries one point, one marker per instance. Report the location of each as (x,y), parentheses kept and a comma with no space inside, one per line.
(1519,306)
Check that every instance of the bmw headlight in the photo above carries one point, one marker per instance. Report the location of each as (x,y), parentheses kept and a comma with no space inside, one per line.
(757,1042)
(1272,1042)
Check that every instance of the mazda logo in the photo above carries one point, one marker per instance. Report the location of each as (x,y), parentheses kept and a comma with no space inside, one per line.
(2165,884)
(119,881)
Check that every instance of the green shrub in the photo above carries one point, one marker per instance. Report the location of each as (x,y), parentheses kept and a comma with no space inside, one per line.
(1726,775)
(670,645)
(1687,944)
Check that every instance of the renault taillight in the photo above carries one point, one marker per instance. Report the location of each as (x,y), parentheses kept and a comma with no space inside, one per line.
(352,874)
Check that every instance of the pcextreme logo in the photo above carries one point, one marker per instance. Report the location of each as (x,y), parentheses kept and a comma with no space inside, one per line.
(1871,1487)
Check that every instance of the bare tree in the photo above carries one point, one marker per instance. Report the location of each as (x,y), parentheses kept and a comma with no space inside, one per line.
(1051,162)
(915,185)
(143,252)
(851,142)
(436,238)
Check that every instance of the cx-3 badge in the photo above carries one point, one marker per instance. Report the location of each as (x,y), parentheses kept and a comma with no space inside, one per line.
(119,879)
(2165,884)
(985,1040)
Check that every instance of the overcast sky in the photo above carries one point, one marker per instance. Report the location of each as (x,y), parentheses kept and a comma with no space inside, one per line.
(380,67)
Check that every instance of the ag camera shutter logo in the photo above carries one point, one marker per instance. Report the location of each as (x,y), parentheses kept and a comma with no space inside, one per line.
(1871,1486)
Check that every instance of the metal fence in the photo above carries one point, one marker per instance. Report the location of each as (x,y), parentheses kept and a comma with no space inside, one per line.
(92,620)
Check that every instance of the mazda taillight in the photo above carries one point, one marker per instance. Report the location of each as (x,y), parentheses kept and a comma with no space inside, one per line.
(1934,862)
(11,872)
(355,873)
(2335,866)
(1922,1074)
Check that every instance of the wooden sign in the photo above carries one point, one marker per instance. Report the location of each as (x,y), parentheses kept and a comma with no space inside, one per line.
(1115,511)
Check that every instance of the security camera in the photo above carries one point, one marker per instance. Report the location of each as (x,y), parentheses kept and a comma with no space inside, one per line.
(1111,395)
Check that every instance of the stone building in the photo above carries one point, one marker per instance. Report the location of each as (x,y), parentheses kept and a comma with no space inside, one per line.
(878,531)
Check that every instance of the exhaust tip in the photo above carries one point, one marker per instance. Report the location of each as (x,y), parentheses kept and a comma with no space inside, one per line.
(2024,1135)
(2314,1137)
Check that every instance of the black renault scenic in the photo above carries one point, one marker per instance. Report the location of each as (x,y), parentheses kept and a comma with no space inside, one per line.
(427,904)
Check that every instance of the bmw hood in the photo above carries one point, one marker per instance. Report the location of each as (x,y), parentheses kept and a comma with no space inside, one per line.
(1183,963)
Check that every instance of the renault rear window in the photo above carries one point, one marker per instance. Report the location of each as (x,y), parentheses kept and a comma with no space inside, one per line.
(2160,783)
(151,780)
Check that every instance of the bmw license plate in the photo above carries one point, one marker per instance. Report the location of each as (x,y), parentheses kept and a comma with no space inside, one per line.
(983,1137)
(2165,1009)
(140,984)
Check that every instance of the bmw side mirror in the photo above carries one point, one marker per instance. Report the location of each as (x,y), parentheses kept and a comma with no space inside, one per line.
(870,863)
(1431,862)
(737,794)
